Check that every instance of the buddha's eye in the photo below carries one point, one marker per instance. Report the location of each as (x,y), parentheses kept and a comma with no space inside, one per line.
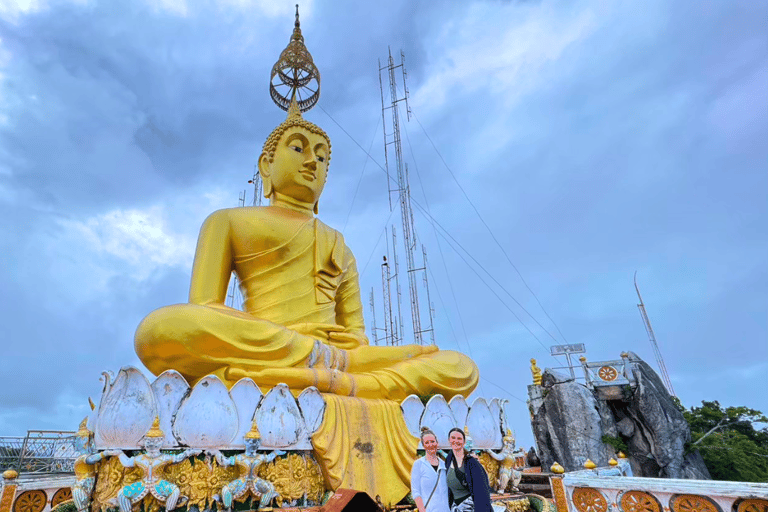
(297,148)
(321,159)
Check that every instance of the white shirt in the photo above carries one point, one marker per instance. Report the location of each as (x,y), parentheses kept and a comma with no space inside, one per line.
(423,478)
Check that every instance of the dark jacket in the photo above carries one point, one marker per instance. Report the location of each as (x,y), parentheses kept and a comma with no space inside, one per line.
(477,481)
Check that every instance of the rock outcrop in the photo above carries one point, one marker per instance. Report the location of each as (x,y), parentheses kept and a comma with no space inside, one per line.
(569,422)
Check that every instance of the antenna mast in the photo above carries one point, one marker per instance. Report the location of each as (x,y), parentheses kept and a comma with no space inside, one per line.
(652,338)
(234,297)
(403,189)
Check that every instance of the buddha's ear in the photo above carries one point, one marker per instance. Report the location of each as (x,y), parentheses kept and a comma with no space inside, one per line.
(266,176)
(315,209)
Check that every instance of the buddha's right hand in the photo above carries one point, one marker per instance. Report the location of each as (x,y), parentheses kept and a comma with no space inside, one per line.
(315,330)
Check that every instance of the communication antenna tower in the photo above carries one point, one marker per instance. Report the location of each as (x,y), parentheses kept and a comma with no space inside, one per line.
(234,297)
(374,329)
(258,190)
(403,188)
(652,338)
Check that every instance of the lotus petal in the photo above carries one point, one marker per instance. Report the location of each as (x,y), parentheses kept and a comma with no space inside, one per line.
(126,411)
(312,408)
(207,418)
(412,410)
(460,409)
(439,418)
(483,427)
(170,389)
(280,422)
(246,395)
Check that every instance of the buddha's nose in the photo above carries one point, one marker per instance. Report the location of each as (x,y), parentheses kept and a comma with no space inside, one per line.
(310,162)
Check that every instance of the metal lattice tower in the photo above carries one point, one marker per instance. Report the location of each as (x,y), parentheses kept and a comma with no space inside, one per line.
(258,188)
(403,189)
(234,296)
(652,338)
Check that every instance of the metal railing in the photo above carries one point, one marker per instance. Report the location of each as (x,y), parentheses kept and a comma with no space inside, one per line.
(40,451)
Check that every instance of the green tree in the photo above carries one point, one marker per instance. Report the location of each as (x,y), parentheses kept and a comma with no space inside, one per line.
(728,440)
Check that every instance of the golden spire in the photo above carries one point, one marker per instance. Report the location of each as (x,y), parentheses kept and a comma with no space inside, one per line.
(83,430)
(254,432)
(294,75)
(154,430)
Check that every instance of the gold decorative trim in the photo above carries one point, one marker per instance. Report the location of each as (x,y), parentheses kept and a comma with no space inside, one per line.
(294,477)
(558,492)
(692,503)
(639,501)
(30,501)
(586,499)
(9,492)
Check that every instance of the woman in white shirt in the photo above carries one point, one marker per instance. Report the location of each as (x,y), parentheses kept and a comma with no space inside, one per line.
(428,487)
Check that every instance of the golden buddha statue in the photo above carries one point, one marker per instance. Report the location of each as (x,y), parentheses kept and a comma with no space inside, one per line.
(302,322)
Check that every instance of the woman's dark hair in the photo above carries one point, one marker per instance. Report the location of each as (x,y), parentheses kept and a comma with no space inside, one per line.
(457,429)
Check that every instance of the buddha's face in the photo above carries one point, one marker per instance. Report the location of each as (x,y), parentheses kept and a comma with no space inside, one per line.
(299,167)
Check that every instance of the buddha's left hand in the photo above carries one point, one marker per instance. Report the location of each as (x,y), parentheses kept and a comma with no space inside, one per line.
(347,340)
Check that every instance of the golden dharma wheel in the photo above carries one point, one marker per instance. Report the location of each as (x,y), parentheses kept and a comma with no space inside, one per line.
(30,501)
(62,495)
(753,505)
(607,373)
(639,501)
(586,499)
(692,503)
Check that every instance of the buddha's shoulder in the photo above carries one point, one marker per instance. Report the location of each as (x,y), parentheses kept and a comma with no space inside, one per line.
(244,213)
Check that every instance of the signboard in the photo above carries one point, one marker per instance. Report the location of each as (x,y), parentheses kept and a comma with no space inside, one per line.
(573,348)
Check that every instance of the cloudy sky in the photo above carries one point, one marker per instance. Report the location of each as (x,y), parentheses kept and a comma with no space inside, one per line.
(578,141)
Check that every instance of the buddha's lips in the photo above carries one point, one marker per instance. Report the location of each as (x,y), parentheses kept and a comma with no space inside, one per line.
(308,175)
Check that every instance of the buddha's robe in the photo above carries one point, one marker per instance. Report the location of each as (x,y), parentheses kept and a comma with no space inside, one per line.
(300,285)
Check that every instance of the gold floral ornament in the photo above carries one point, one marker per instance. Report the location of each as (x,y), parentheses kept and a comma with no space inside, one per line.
(295,75)
(639,501)
(112,477)
(294,477)
(491,467)
(200,480)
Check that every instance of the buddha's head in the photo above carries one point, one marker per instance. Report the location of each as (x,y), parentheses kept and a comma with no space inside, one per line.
(294,161)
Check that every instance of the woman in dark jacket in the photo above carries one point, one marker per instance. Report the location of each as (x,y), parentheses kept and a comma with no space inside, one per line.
(468,489)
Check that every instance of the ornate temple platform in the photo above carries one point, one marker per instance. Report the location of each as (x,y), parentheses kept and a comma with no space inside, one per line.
(209,415)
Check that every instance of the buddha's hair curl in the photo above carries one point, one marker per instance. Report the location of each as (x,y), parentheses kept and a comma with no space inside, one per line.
(274,138)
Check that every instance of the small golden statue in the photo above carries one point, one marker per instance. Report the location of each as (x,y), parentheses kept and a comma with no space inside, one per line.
(248,463)
(302,322)
(152,463)
(85,467)
(536,372)
(507,469)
